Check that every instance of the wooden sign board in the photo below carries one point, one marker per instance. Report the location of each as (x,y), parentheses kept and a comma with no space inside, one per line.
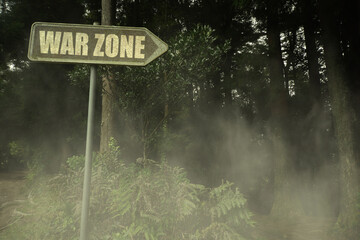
(94,44)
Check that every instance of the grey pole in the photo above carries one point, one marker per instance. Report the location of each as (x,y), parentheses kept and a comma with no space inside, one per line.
(88,156)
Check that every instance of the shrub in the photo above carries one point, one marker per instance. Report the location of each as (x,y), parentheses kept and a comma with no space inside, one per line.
(75,163)
(133,202)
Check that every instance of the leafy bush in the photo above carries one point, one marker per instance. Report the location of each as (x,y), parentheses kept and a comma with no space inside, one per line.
(75,162)
(133,201)
(12,155)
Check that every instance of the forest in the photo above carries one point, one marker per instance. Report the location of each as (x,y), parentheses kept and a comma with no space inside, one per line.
(245,129)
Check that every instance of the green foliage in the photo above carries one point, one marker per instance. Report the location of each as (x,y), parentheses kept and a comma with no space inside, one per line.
(21,154)
(35,169)
(75,162)
(15,149)
(132,201)
(225,200)
(142,93)
(13,155)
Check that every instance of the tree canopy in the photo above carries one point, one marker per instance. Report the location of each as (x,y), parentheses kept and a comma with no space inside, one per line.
(264,93)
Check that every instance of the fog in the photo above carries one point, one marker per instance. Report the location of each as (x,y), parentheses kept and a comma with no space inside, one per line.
(252,108)
(231,149)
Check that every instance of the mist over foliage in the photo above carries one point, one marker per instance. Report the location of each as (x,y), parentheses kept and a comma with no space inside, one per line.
(264,94)
(133,201)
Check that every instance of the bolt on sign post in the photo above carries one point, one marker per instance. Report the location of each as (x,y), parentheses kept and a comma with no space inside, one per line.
(92,44)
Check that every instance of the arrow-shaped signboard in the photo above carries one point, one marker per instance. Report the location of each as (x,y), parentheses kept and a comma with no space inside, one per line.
(97,44)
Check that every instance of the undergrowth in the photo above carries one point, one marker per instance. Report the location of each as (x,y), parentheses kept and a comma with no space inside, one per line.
(351,229)
(144,201)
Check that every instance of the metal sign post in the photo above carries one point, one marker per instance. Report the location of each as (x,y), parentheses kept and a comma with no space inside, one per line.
(88,156)
(93,44)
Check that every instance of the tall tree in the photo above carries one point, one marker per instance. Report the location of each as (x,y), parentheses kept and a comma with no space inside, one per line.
(285,202)
(311,49)
(350,40)
(108,101)
(342,111)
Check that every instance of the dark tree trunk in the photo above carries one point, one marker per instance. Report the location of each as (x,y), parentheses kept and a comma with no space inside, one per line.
(228,78)
(107,112)
(285,203)
(311,51)
(216,94)
(165,127)
(350,39)
(289,69)
(342,112)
